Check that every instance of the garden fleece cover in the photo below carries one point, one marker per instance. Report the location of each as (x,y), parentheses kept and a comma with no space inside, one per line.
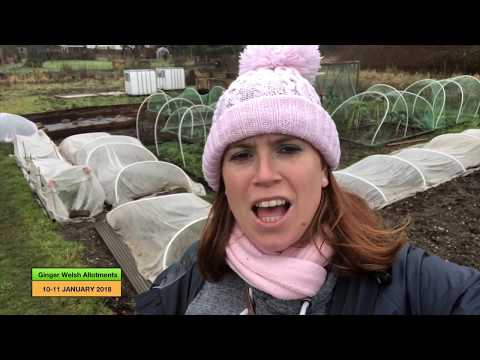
(79,156)
(12,125)
(35,147)
(148,225)
(384,179)
(70,145)
(146,178)
(64,188)
(108,160)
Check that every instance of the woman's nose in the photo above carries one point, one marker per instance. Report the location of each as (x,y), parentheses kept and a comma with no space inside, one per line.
(266,171)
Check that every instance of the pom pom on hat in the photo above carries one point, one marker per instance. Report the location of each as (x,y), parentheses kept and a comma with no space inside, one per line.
(304,58)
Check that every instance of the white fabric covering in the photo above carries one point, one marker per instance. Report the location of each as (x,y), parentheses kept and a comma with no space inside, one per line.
(472,132)
(35,147)
(148,225)
(393,179)
(70,145)
(81,155)
(465,148)
(148,177)
(436,167)
(12,125)
(384,179)
(177,246)
(63,188)
(108,160)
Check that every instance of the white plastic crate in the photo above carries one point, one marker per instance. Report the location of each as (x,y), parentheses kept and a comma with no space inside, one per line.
(140,82)
(170,78)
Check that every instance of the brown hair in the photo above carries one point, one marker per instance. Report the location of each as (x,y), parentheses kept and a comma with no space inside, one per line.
(358,235)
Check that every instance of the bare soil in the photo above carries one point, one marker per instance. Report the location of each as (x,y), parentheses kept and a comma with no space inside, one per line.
(97,254)
(445,220)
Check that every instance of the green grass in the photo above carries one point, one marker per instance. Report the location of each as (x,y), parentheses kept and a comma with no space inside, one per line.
(160,63)
(170,151)
(10,68)
(22,98)
(59,65)
(29,239)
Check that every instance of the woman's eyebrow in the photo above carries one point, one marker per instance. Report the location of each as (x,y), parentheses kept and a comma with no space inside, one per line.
(242,144)
(283,139)
(247,144)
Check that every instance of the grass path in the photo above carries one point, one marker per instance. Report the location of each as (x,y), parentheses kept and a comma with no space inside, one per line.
(22,98)
(29,239)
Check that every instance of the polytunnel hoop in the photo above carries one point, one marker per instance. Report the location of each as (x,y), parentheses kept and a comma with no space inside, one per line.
(117,137)
(435,95)
(364,94)
(189,110)
(140,108)
(437,152)
(365,181)
(371,88)
(409,163)
(124,168)
(147,199)
(114,144)
(448,81)
(191,89)
(152,162)
(158,116)
(413,107)
(476,81)
(174,238)
(442,153)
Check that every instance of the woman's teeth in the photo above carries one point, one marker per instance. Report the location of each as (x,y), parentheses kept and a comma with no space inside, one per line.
(271,219)
(270,203)
(271,211)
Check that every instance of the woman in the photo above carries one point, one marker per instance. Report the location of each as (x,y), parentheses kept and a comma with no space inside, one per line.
(282,237)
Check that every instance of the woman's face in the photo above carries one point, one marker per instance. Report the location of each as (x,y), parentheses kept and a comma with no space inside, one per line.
(274,186)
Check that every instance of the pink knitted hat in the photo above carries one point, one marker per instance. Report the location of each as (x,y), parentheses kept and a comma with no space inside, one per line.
(272,95)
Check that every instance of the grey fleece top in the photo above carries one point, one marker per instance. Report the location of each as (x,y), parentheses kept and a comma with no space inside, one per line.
(227,298)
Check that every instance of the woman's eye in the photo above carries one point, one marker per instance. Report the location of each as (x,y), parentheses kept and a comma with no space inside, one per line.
(240,156)
(289,149)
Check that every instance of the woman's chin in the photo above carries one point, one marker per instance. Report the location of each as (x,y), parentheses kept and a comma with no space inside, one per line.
(273,246)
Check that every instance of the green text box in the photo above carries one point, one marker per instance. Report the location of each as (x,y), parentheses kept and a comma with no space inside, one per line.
(76,274)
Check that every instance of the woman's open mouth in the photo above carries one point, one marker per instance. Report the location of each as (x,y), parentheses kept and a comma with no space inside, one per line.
(271,211)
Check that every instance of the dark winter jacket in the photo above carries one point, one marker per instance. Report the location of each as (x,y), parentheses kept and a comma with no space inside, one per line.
(417,284)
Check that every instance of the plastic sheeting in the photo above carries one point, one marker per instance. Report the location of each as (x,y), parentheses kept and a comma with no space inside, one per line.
(12,125)
(108,160)
(149,177)
(72,144)
(384,179)
(147,226)
(65,189)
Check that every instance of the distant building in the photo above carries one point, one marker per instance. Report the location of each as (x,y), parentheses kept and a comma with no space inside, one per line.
(105,47)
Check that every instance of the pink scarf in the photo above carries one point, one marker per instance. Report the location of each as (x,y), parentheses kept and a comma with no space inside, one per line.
(296,273)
